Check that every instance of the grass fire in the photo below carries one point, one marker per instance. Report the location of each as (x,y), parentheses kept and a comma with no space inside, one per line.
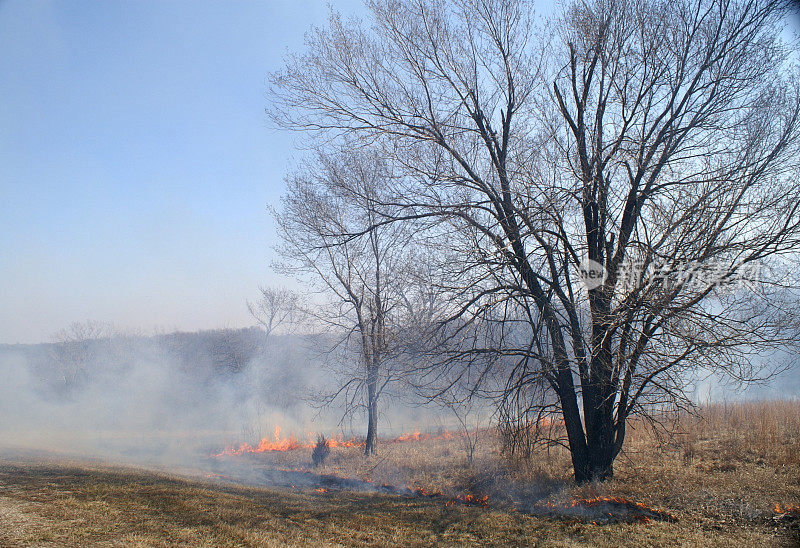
(291,443)
(400,273)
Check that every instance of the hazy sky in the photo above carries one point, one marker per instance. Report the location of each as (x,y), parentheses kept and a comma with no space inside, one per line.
(136,160)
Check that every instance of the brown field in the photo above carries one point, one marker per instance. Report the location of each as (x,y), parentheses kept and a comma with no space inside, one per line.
(721,475)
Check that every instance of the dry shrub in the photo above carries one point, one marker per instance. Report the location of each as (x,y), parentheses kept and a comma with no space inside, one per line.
(524,437)
(321,451)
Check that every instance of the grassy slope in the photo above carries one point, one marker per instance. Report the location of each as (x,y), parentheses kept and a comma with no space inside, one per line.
(720,477)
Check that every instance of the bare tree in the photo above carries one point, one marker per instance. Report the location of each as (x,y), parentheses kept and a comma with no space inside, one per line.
(360,278)
(232,350)
(651,146)
(472,417)
(76,348)
(278,307)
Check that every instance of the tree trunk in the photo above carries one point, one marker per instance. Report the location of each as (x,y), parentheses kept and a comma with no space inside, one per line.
(593,452)
(372,412)
(579,450)
(600,439)
(592,462)
(601,459)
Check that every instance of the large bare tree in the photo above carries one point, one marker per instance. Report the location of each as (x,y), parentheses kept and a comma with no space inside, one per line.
(607,181)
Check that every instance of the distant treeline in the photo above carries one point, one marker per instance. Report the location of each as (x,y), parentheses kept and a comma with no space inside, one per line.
(67,366)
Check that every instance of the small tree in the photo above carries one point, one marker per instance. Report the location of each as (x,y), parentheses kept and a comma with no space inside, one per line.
(278,307)
(321,451)
(470,416)
(359,277)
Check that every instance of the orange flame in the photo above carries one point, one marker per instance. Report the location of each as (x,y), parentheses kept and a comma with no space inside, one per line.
(334,441)
(599,500)
(596,501)
(421,491)
(470,500)
(291,443)
(415,436)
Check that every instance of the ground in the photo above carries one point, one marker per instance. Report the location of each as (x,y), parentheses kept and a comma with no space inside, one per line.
(721,478)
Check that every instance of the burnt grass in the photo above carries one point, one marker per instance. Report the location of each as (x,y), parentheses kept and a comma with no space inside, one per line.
(53,505)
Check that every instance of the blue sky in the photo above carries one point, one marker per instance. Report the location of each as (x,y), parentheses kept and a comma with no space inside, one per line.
(136,161)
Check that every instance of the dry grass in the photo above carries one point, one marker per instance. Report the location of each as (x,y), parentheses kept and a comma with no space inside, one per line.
(721,476)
